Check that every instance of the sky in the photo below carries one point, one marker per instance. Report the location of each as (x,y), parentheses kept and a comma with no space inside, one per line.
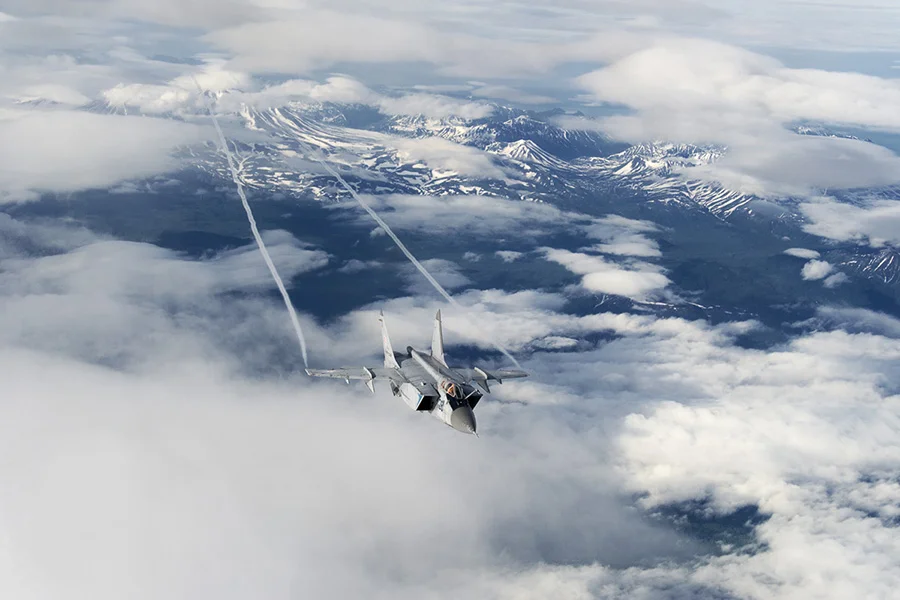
(149,448)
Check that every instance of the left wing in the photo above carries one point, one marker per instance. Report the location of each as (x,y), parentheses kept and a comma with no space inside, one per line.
(369,374)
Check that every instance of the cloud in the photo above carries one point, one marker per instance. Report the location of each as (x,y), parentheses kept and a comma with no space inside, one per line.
(797,431)
(357,266)
(346,90)
(802,253)
(56,93)
(433,107)
(480,215)
(446,272)
(816,269)
(159,429)
(177,13)
(859,320)
(874,222)
(666,409)
(508,256)
(624,236)
(796,454)
(835,280)
(491,215)
(704,92)
(107,292)
(507,93)
(733,81)
(62,151)
(637,280)
(447,156)
(180,96)
(134,459)
(354,37)
(788,164)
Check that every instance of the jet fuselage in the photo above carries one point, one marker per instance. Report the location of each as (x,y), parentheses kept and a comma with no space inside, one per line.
(441,391)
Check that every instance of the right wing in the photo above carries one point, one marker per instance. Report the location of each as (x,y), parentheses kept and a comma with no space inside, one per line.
(342,373)
(481,377)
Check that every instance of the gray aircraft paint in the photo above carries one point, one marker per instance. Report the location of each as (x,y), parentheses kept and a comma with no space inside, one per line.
(425,382)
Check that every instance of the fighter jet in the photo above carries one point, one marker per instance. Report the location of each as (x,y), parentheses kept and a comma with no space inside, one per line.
(425,382)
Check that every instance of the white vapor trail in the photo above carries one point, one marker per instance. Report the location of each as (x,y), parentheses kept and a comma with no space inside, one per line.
(259,242)
(384,226)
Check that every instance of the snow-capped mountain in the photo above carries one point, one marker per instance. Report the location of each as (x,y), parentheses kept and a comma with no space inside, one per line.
(512,154)
(883,264)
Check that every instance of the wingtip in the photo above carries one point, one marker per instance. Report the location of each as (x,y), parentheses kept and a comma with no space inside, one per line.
(437,315)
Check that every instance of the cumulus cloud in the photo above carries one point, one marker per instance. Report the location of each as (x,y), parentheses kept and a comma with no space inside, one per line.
(699,91)
(795,454)
(61,151)
(692,74)
(637,280)
(816,269)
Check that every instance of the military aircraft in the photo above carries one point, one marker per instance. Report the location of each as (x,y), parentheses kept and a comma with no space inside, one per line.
(425,381)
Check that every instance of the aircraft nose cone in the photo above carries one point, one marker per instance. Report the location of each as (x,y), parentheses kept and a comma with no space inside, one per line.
(463,419)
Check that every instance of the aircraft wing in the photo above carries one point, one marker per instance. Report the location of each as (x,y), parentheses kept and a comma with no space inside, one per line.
(367,373)
(481,376)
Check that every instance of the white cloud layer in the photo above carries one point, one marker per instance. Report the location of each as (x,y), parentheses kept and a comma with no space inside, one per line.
(181,96)
(152,445)
(63,151)
(637,280)
(624,236)
(699,91)
(154,441)
(447,156)
(876,222)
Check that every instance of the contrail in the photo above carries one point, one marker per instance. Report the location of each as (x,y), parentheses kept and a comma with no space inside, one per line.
(259,242)
(384,226)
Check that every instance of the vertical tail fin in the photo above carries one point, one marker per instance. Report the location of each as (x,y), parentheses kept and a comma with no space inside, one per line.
(437,340)
(389,360)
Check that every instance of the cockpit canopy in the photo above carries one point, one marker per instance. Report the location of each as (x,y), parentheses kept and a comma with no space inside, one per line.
(452,390)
